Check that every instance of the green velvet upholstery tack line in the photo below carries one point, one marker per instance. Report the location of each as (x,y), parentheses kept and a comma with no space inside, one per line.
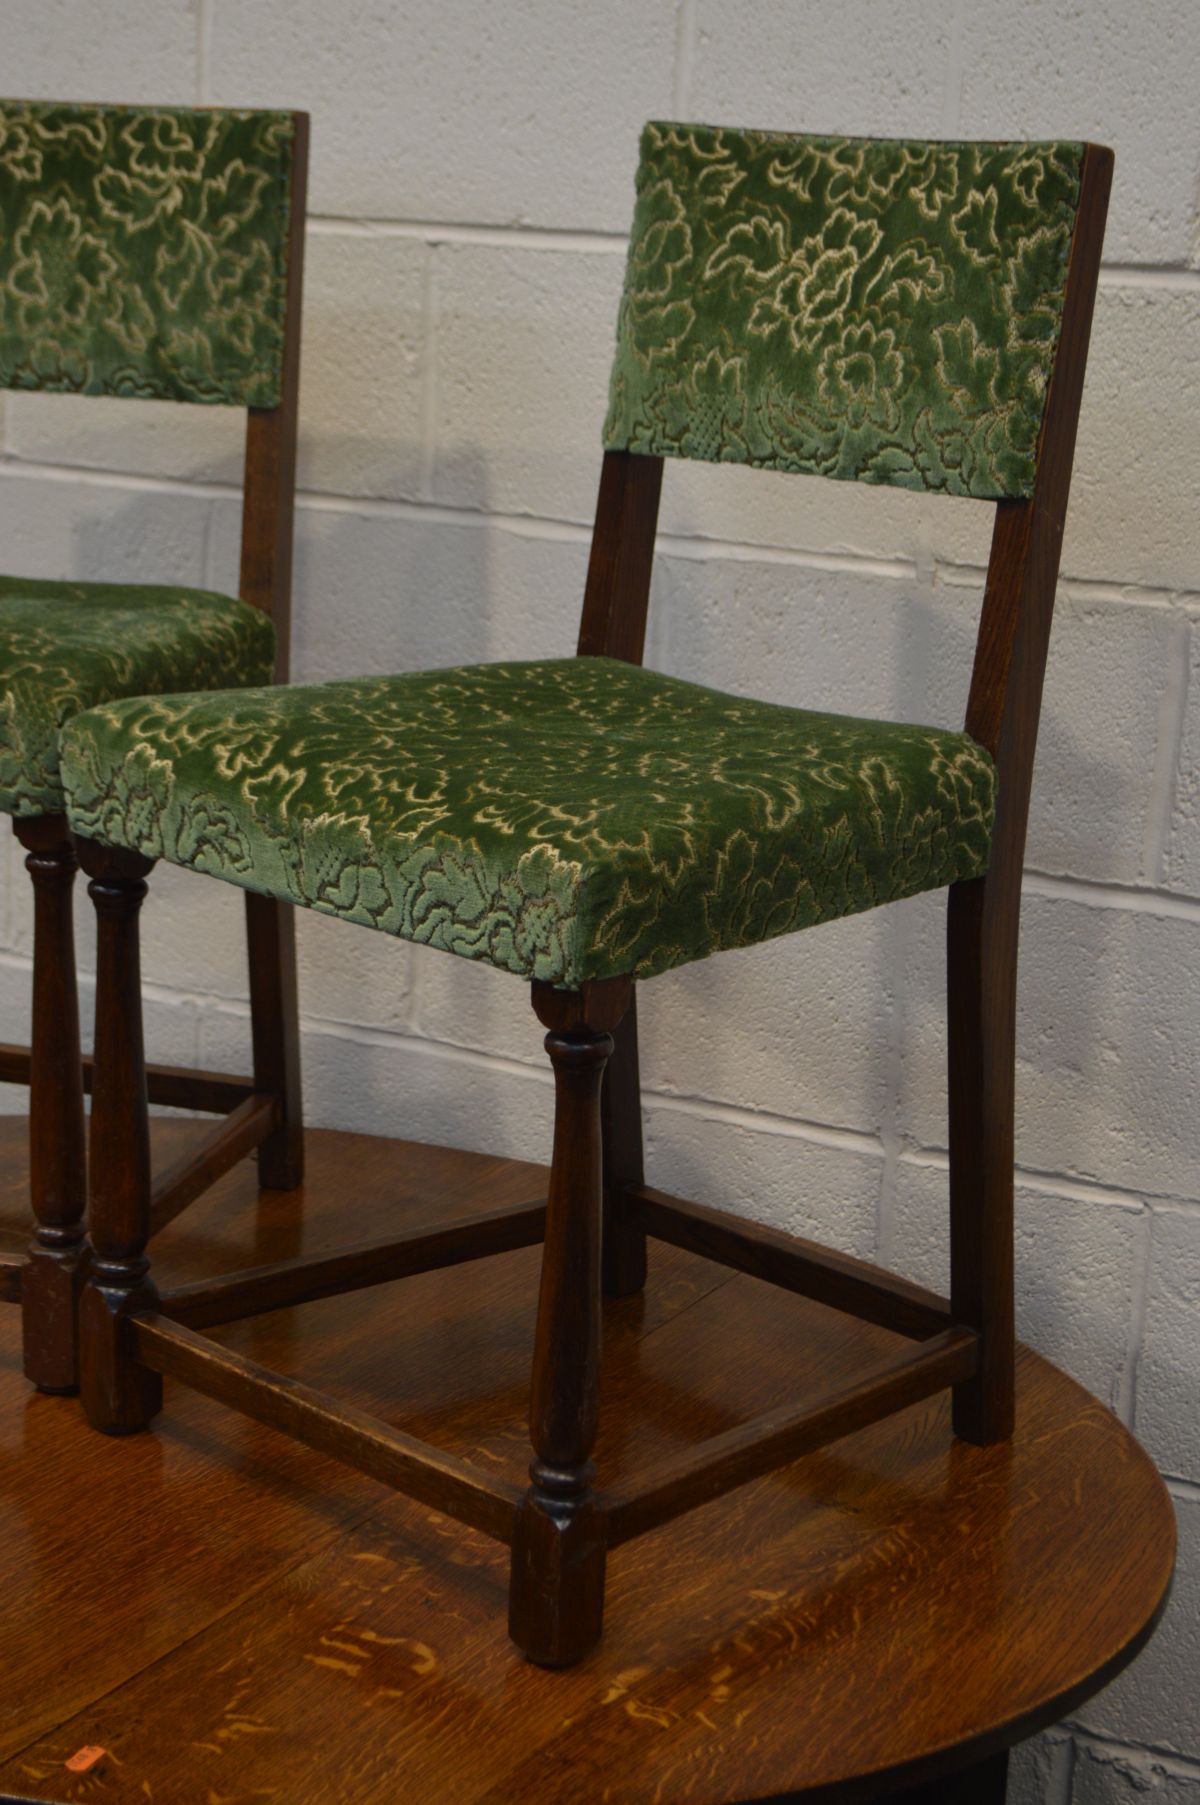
(66,646)
(565,820)
(143,251)
(869,309)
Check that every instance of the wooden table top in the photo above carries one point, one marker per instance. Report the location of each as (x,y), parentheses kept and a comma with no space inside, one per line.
(234,1618)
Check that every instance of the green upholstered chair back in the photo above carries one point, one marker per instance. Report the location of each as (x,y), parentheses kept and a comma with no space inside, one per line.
(871,309)
(144,251)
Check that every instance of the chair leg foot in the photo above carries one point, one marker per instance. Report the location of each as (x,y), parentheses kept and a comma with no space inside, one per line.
(50,1290)
(119,1396)
(983,1414)
(556,1595)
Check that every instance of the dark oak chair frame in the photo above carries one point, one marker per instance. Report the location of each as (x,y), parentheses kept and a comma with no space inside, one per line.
(262,1111)
(599,1211)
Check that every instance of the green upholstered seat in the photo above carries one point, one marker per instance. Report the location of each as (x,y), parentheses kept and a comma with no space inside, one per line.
(564,820)
(67,646)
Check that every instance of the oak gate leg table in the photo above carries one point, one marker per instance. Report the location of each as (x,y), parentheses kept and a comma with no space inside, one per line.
(892,1612)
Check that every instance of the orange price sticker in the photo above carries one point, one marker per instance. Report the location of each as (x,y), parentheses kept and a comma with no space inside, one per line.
(84,1760)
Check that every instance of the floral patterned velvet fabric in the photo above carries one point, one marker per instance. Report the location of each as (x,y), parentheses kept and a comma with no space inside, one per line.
(67,646)
(143,251)
(861,308)
(564,820)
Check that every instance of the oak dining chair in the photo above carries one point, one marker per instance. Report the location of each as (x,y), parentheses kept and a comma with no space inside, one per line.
(153,253)
(865,310)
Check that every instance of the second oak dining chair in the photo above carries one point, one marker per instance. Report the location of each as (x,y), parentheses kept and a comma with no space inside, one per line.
(152,253)
(867,310)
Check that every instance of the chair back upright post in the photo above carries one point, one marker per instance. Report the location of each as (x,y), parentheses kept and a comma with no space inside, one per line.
(268,534)
(269,484)
(983,917)
(615,605)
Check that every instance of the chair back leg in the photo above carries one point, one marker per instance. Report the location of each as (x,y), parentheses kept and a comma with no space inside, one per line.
(119,1396)
(57,1165)
(981,984)
(275,1031)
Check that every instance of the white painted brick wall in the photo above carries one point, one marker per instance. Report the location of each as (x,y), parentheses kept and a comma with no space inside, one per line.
(471,185)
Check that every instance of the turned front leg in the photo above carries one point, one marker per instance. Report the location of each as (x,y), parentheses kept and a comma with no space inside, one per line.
(556,1600)
(57,1167)
(119,1396)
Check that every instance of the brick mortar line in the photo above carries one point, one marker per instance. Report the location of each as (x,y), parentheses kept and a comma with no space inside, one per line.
(1171,730)
(1177,1766)
(1139,1312)
(694,546)
(204,23)
(445,231)
(685,51)
(1067,1185)
(429,373)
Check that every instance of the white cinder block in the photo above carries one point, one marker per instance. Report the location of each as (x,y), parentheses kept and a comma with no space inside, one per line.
(807,513)
(463,1004)
(360,390)
(446,110)
(351,974)
(388,592)
(843,640)
(775,64)
(826,1192)
(798,1028)
(361,366)
(1076,1265)
(12,877)
(111,533)
(1167,1419)
(400,1086)
(1183,847)
(901,649)
(1132,513)
(1125,76)
(149,438)
(1156,1700)
(1094,781)
(1116,1776)
(524,343)
(60,50)
(1033,1767)
(1108,1059)
(170,1022)
(739,1029)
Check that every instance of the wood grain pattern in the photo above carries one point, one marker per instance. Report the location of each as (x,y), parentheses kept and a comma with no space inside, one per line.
(174,1086)
(833,1278)
(244,1128)
(865,1618)
(783,1434)
(303,1280)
